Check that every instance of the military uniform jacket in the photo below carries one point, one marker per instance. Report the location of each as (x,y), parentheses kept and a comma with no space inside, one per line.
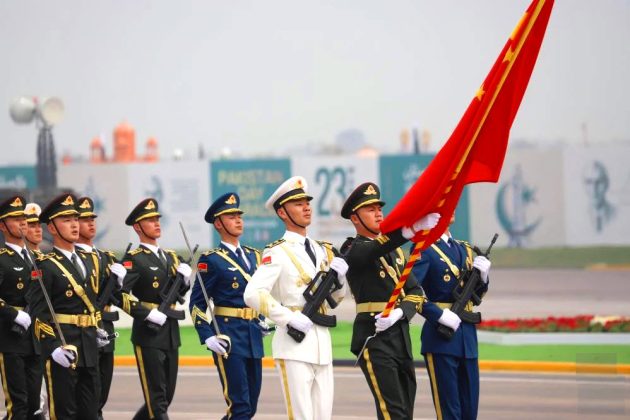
(15,281)
(146,278)
(225,280)
(439,279)
(66,300)
(276,288)
(102,261)
(375,266)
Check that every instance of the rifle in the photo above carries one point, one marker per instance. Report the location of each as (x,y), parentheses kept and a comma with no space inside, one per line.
(217,330)
(107,294)
(470,281)
(318,290)
(170,296)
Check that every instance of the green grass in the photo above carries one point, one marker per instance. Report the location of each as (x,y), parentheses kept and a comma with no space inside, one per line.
(342,334)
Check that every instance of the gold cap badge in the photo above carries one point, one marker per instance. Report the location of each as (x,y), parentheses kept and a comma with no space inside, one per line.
(68,201)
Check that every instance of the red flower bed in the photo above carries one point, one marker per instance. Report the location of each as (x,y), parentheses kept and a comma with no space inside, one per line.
(580,323)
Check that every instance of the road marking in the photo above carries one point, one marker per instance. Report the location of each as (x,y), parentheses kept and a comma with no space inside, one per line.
(614,380)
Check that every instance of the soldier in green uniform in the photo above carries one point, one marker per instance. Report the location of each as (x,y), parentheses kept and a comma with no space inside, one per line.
(71,368)
(20,366)
(375,266)
(34,231)
(105,264)
(150,270)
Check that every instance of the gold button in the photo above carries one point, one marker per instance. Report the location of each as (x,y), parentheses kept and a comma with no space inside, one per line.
(69,293)
(156,284)
(20,286)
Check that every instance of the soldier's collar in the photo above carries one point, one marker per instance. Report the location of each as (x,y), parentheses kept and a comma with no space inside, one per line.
(295,237)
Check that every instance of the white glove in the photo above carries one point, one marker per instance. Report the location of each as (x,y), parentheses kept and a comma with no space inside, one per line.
(300,322)
(450,319)
(216,345)
(185,270)
(384,323)
(339,265)
(156,317)
(101,338)
(482,264)
(22,319)
(120,272)
(63,357)
(427,222)
(265,328)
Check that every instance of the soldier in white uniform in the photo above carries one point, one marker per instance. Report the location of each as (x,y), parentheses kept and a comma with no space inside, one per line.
(275,290)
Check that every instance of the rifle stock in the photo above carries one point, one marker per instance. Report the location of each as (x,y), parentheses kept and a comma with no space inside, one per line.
(467,293)
(318,291)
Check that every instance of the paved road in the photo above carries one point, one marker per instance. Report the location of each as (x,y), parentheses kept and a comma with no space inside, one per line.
(504,396)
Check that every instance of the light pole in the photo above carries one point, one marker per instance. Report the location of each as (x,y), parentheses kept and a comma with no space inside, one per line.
(46,112)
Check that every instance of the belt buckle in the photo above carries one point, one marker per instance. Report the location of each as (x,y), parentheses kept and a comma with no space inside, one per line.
(248,313)
(83,321)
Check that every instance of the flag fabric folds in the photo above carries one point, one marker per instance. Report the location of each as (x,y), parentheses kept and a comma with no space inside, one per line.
(476,149)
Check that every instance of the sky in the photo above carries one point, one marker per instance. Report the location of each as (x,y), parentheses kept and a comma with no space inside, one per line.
(265,78)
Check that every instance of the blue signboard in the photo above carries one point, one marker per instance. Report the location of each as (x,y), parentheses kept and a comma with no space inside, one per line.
(400,172)
(18,177)
(254,181)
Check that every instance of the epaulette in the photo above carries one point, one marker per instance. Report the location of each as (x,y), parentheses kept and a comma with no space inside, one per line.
(275,243)
(6,251)
(212,251)
(464,243)
(171,251)
(251,248)
(108,253)
(136,251)
(325,243)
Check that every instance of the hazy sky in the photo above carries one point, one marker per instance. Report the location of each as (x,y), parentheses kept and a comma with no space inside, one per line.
(264,76)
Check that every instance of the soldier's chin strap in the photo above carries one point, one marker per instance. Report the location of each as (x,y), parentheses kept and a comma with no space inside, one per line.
(9,230)
(226,229)
(144,233)
(291,218)
(364,225)
(59,232)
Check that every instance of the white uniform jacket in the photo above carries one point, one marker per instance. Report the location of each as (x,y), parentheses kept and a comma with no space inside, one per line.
(276,288)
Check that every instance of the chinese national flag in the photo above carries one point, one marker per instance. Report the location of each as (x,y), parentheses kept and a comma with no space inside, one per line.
(476,149)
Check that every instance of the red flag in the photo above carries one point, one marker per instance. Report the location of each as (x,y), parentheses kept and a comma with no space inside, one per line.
(476,149)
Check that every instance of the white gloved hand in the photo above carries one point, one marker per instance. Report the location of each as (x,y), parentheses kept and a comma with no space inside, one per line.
(120,272)
(339,265)
(22,319)
(216,345)
(427,222)
(265,328)
(300,322)
(63,357)
(450,319)
(384,323)
(185,270)
(156,317)
(101,338)
(482,264)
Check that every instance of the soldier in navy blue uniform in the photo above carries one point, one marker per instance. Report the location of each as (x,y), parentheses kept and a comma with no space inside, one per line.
(20,368)
(452,365)
(226,271)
